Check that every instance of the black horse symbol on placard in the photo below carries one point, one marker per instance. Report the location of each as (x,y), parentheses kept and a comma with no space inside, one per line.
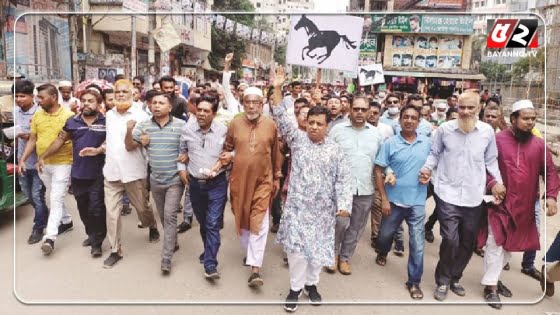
(370,73)
(317,38)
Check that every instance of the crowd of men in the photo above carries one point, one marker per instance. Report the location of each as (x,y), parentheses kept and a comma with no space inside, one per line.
(319,161)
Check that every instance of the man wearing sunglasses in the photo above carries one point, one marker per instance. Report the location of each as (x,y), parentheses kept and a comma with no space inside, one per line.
(360,142)
(392,108)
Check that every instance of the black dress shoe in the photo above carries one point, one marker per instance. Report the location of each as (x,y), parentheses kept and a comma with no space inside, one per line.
(533,273)
(65,227)
(503,290)
(86,242)
(96,252)
(492,298)
(35,237)
(183,227)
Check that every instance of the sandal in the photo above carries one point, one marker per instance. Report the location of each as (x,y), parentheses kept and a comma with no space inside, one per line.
(381,260)
(415,292)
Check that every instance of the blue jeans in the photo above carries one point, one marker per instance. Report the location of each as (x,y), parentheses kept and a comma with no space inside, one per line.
(208,200)
(33,188)
(553,252)
(414,217)
(187,207)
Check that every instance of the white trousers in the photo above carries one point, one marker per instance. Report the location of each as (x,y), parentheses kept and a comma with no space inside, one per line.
(495,258)
(302,272)
(254,245)
(56,179)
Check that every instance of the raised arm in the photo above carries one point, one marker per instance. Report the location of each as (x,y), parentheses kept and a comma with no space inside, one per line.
(229,99)
(285,126)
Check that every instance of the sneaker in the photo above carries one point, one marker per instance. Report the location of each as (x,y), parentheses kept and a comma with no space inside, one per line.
(503,290)
(255,280)
(111,260)
(35,237)
(154,235)
(274,228)
(86,242)
(533,273)
(291,301)
(47,247)
(429,235)
(96,252)
(314,296)
(65,227)
(212,274)
(399,249)
(441,293)
(165,266)
(457,289)
(183,227)
(492,298)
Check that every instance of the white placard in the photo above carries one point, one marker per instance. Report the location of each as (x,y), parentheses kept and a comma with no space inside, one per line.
(325,41)
(371,74)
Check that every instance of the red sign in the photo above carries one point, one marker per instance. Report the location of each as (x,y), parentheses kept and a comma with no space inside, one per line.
(512,33)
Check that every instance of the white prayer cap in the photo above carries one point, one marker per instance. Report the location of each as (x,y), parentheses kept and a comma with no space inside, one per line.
(253,91)
(242,84)
(64,84)
(523,104)
(441,105)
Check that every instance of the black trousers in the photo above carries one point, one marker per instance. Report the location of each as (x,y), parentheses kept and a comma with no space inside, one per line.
(433,218)
(276,210)
(459,228)
(90,198)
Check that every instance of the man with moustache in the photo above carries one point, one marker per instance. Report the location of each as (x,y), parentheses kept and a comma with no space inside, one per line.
(360,143)
(255,176)
(108,99)
(317,195)
(66,99)
(54,171)
(510,226)
(87,133)
(161,135)
(202,142)
(29,181)
(459,188)
(124,171)
(167,84)
(405,200)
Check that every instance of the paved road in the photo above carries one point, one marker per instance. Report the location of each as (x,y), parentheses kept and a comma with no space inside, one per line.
(71,275)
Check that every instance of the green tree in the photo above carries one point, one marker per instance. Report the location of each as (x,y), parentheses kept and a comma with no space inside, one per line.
(529,64)
(222,42)
(280,55)
(494,71)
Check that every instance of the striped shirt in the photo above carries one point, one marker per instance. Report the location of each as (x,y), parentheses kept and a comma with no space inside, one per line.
(203,149)
(163,149)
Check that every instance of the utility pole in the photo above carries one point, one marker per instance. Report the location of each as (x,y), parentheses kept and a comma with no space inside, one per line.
(72,31)
(133,46)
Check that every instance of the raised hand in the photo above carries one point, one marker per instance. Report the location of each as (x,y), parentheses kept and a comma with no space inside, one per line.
(280,77)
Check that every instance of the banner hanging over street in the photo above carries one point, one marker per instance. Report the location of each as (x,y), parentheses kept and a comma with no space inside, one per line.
(327,42)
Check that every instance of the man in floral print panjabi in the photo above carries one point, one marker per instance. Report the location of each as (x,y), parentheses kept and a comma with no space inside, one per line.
(318,191)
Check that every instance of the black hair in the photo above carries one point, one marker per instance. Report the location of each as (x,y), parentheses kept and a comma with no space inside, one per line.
(302,100)
(24,87)
(319,110)
(119,77)
(452,96)
(450,111)
(139,78)
(94,86)
(164,94)
(107,91)
(493,99)
(166,78)
(51,89)
(150,95)
(407,107)
(209,99)
(375,104)
(413,97)
(295,83)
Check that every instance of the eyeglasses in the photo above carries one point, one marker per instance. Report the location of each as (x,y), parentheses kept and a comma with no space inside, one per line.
(393,102)
(360,109)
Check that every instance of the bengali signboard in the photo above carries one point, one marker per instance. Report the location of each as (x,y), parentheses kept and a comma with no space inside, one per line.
(448,24)
(429,23)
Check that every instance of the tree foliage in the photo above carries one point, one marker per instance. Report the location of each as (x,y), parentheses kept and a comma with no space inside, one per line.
(280,55)
(222,42)
(495,72)
(529,64)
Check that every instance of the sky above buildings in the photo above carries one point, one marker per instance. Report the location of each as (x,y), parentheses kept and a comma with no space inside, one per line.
(324,6)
